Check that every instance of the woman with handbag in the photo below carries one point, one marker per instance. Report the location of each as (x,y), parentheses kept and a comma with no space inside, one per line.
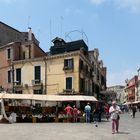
(114,110)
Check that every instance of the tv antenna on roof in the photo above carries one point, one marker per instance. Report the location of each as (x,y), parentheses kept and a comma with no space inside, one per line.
(82,33)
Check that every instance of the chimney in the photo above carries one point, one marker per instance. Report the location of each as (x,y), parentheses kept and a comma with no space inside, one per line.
(29,34)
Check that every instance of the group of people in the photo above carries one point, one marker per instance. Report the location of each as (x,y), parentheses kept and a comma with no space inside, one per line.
(89,113)
(113,110)
(71,113)
(93,114)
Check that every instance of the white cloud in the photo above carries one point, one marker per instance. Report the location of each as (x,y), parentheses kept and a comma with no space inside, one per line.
(119,78)
(131,5)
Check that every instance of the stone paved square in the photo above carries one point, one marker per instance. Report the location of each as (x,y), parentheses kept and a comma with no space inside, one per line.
(129,130)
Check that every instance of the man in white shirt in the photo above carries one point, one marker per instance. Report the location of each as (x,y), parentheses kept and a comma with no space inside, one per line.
(114,110)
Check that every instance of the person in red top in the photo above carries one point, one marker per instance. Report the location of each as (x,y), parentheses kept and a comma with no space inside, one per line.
(106,109)
(75,113)
(69,111)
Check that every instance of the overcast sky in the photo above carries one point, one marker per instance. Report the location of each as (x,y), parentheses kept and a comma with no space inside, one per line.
(112,26)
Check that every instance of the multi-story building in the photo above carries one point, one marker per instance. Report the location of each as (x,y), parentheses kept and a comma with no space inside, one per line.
(72,69)
(138,87)
(68,68)
(131,89)
(22,50)
(30,76)
(120,92)
(99,73)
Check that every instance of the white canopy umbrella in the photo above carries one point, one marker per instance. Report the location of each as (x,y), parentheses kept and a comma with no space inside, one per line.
(64,98)
(48,97)
(17,96)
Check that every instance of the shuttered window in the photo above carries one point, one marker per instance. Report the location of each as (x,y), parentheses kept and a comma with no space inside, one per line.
(68,63)
(69,83)
(18,76)
(37,74)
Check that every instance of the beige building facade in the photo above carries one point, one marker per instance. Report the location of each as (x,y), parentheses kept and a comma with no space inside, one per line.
(32,76)
(58,74)
(72,69)
(73,72)
(22,49)
(69,68)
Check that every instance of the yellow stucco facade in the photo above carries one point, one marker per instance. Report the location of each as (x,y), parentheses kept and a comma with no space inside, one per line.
(55,78)
(27,84)
(56,75)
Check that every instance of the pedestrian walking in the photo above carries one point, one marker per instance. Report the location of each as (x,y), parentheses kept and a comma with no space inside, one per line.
(87,112)
(114,110)
(95,116)
(134,110)
(100,109)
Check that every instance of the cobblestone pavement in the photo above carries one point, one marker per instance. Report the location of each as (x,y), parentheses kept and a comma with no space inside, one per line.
(129,130)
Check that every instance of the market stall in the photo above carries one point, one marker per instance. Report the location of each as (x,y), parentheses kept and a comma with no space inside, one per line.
(47,98)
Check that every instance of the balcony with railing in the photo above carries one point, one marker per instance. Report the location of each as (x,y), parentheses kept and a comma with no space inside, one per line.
(37,82)
(68,92)
(18,84)
(68,69)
